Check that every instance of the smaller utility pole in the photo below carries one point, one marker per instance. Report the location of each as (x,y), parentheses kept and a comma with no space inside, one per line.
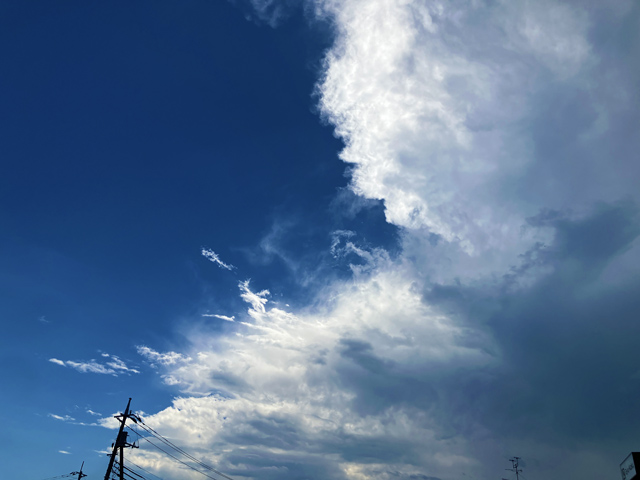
(80,474)
(514,466)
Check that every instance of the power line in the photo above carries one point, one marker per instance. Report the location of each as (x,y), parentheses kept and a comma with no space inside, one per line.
(138,466)
(127,469)
(131,477)
(167,442)
(180,461)
(58,476)
(170,444)
(134,472)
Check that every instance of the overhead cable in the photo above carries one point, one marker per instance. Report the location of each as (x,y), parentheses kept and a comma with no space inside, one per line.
(170,444)
(147,471)
(180,461)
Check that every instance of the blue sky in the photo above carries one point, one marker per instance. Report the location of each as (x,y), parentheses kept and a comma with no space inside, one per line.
(350,239)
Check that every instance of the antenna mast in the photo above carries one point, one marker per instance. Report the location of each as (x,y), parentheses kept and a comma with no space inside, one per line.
(514,466)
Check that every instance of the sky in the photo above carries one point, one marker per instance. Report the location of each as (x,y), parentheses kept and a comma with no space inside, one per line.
(345,239)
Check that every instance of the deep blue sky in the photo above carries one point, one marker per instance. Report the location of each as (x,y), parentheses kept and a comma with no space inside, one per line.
(441,200)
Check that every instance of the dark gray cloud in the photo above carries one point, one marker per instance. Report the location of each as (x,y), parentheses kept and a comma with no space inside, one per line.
(567,341)
(584,132)
(381,383)
(255,463)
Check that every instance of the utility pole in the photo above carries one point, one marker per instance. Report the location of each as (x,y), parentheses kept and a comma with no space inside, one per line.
(80,474)
(514,466)
(120,444)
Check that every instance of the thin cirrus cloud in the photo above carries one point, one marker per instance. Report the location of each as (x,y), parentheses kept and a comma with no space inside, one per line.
(506,324)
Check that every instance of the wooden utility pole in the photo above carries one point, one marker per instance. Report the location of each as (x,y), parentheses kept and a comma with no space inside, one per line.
(121,442)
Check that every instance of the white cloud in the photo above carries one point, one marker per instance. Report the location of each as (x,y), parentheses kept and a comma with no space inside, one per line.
(168,358)
(64,452)
(257,300)
(66,418)
(316,372)
(113,367)
(432,100)
(221,317)
(117,365)
(215,258)
(91,412)
(89,367)
(109,422)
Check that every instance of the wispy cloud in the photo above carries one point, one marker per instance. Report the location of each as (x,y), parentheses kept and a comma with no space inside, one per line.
(271,12)
(64,452)
(72,420)
(257,300)
(361,258)
(215,258)
(115,366)
(91,412)
(221,317)
(154,357)
(43,319)
(66,418)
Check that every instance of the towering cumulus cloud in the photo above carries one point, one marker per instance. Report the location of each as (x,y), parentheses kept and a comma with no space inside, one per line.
(442,106)
(500,136)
